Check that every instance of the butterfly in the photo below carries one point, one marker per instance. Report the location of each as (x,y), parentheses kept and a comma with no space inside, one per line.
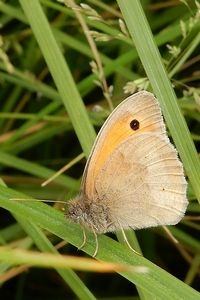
(133,177)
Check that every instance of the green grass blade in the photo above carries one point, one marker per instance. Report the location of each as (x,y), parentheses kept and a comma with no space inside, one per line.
(157,281)
(69,276)
(60,73)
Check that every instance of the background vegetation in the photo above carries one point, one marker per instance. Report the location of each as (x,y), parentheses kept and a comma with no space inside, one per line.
(63,66)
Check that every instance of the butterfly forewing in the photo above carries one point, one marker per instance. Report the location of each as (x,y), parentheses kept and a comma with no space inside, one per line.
(142,107)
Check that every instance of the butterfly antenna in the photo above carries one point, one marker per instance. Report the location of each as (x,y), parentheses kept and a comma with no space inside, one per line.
(37,200)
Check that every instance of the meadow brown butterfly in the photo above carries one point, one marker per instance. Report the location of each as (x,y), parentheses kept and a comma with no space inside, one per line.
(133,177)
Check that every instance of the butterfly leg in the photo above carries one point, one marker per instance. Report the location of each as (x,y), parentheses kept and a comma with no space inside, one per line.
(127,242)
(170,235)
(96,243)
(84,240)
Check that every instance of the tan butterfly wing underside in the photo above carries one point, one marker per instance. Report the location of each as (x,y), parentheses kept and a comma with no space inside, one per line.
(133,177)
(141,106)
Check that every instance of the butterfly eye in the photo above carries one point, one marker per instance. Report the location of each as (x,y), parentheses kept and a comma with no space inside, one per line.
(135,124)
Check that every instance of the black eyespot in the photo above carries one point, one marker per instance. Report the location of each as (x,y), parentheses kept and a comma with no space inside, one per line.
(135,124)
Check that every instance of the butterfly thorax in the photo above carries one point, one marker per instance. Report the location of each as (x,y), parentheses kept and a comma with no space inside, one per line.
(90,215)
